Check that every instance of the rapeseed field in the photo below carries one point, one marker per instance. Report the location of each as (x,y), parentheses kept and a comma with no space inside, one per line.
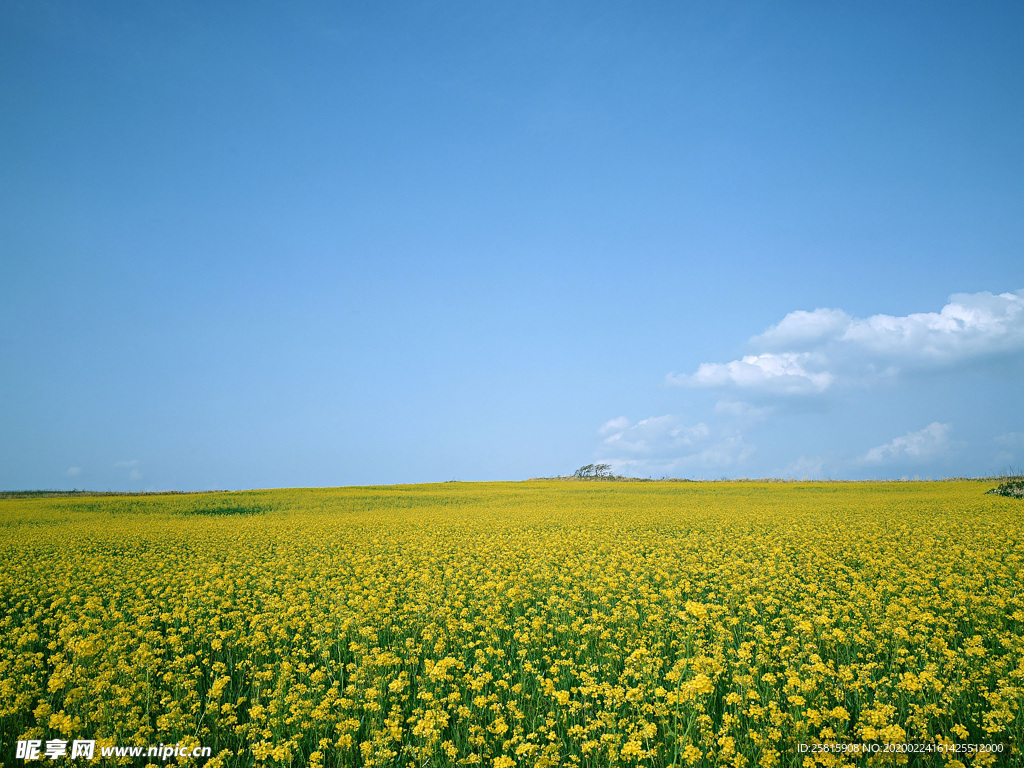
(545,623)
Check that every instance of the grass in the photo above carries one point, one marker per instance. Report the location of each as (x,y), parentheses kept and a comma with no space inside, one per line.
(1012,488)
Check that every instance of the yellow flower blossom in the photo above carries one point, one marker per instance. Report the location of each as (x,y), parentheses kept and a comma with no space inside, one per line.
(542,623)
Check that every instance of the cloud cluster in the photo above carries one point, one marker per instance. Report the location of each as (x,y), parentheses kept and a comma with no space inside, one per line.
(132,465)
(1010,446)
(785,373)
(810,352)
(667,445)
(923,445)
(654,435)
(776,396)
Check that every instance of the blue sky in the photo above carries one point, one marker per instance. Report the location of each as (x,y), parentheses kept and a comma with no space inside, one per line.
(298,244)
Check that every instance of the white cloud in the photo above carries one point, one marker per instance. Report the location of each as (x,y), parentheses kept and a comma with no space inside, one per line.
(725,454)
(654,435)
(1011,449)
(813,367)
(969,326)
(809,352)
(666,445)
(741,410)
(1010,438)
(132,465)
(922,445)
(805,467)
(786,372)
(803,329)
(614,425)
(74,471)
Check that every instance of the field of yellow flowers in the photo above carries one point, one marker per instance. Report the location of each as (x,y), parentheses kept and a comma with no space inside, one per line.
(520,624)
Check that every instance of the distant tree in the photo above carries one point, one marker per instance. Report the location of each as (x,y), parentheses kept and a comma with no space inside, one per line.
(588,471)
